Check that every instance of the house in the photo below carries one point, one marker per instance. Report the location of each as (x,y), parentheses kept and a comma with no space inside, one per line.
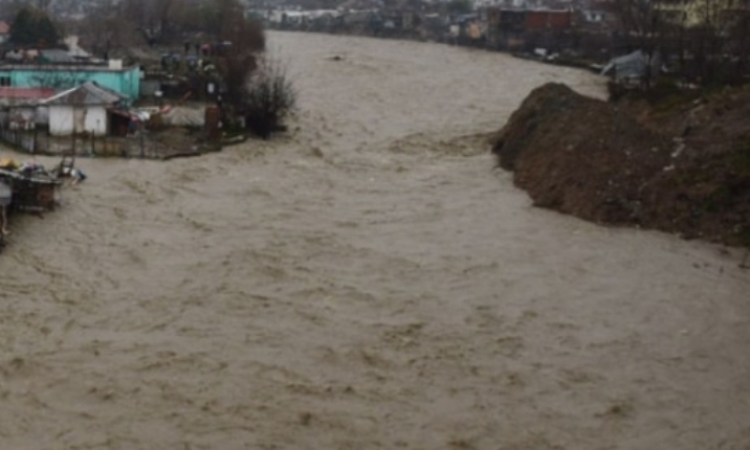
(83,109)
(123,80)
(20,107)
(504,25)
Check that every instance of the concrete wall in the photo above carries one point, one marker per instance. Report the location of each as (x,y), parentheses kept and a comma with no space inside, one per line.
(145,147)
(65,120)
(126,82)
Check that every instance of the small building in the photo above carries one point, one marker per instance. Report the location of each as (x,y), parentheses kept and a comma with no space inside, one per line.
(113,76)
(633,67)
(504,25)
(20,107)
(84,109)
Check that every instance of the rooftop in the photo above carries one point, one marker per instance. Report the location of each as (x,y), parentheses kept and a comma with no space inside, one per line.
(26,93)
(64,67)
(89,94)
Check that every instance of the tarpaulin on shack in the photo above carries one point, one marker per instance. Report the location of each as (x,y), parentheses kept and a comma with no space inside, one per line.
(632,66)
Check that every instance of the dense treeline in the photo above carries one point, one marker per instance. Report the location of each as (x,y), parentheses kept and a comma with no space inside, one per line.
(702,41)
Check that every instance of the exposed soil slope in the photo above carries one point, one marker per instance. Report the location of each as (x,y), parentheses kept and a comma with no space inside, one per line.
(684,169)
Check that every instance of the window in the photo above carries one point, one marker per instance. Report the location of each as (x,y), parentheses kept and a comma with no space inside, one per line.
(4,81)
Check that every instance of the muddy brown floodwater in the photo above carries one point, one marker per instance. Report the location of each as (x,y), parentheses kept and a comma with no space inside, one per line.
(369,281)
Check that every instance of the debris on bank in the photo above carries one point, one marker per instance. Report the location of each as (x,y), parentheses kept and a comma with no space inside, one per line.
(30,187)
(597,161)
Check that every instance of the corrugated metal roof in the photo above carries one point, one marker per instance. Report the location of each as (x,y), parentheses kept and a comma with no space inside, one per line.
(89,94)
(56,56)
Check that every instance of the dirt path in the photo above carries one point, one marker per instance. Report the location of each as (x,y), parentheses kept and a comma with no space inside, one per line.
(369,282)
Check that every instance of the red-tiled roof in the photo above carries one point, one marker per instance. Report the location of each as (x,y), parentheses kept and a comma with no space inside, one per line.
(4,28)
(26,93)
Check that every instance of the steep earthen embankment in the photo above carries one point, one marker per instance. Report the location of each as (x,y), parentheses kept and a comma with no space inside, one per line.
(685,169)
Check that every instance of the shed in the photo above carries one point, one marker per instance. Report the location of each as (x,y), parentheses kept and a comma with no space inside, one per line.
(21,107)
(632,66)
(83,109)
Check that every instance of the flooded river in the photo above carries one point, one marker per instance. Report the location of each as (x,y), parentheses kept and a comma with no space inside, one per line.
(368,281)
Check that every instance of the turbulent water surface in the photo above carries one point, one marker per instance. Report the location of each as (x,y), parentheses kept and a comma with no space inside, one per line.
(369,280)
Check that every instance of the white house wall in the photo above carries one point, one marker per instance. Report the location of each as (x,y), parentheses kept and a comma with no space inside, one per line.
(96,121)
(64,120)
(60,120)
(42,115)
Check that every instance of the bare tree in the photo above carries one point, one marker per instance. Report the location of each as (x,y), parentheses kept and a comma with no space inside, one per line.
(104,32)
(645,28)
(270,98)
(740,40)
(716,28)
(706,35)
(241,40)
(154,18)
(164,11)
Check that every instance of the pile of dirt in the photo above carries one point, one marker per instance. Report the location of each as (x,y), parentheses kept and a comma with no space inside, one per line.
(683,169)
